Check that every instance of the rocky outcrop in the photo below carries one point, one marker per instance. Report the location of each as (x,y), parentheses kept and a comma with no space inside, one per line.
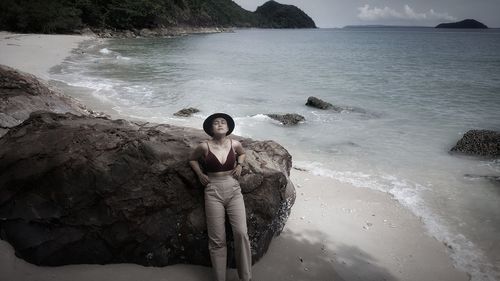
(468,23)
(318,103)
(276,15)
(186,112)
(22,93)
(288,119)
(78,189)
(479,142)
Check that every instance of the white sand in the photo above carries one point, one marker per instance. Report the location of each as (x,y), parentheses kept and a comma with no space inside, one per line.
(36,53)
(335,231)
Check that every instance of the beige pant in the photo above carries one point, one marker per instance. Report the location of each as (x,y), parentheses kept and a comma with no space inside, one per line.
(223,194)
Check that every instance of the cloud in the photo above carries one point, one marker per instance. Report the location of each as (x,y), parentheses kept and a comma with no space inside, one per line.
(367,13)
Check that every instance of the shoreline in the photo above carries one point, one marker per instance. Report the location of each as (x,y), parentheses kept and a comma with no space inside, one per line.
(335,230)
(153,32)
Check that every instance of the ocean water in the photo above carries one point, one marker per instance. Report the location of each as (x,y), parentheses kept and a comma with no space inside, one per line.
(408,95)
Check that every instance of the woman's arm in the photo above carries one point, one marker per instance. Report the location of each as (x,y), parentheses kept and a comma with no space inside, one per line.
(241,158)
(198,152)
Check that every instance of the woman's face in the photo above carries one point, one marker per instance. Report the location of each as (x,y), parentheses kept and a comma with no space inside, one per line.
(219,126)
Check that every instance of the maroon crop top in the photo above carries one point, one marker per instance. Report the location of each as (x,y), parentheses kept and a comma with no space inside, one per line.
(213,165)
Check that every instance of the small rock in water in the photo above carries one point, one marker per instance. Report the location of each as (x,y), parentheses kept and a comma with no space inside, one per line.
(287,119)
(186,112)
(318,103)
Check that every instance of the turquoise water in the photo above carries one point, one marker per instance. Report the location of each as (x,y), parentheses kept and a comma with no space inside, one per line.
(409,95)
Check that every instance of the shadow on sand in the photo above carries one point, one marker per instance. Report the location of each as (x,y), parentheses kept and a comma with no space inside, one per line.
(309,255)
(304,256)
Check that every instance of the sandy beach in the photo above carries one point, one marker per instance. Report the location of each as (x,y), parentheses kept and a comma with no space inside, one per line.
(335,231)
(36,53)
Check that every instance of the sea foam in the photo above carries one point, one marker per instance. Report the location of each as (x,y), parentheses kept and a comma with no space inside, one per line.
(465,255)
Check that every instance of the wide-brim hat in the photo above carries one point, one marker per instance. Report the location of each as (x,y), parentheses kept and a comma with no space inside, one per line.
(207,124)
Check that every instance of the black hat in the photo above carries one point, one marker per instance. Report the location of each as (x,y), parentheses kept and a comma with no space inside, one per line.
(207,124)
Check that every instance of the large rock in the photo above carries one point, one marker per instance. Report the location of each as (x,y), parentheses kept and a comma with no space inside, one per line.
(479,142)
(78,189)
(22,93)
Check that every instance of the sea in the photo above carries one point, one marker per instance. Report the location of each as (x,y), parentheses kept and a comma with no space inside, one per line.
(406,96)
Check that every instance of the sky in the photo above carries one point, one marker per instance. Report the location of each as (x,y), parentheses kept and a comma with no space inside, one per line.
(339,13)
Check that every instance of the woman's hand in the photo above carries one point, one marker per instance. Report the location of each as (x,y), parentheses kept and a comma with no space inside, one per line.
(237,171)
(203,179)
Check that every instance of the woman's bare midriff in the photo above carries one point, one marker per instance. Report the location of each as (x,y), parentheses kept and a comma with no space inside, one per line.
(220,174)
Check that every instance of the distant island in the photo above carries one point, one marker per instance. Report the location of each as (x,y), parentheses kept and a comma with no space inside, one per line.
(62,16)
(468,23)
(384,26)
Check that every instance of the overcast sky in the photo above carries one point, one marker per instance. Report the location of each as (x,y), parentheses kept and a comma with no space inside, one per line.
(339,13)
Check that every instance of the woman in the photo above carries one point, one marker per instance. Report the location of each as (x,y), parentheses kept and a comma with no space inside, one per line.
(222,158)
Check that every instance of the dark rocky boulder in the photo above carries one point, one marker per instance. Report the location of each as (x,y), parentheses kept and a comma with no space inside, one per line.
(79,189)
(318,103)
(479,142)
(186,112)
(287,119)
(22,93)
(276,15)
(321,104)
(468,23)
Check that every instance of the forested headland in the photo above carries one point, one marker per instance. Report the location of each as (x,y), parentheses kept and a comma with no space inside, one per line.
(66,16)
